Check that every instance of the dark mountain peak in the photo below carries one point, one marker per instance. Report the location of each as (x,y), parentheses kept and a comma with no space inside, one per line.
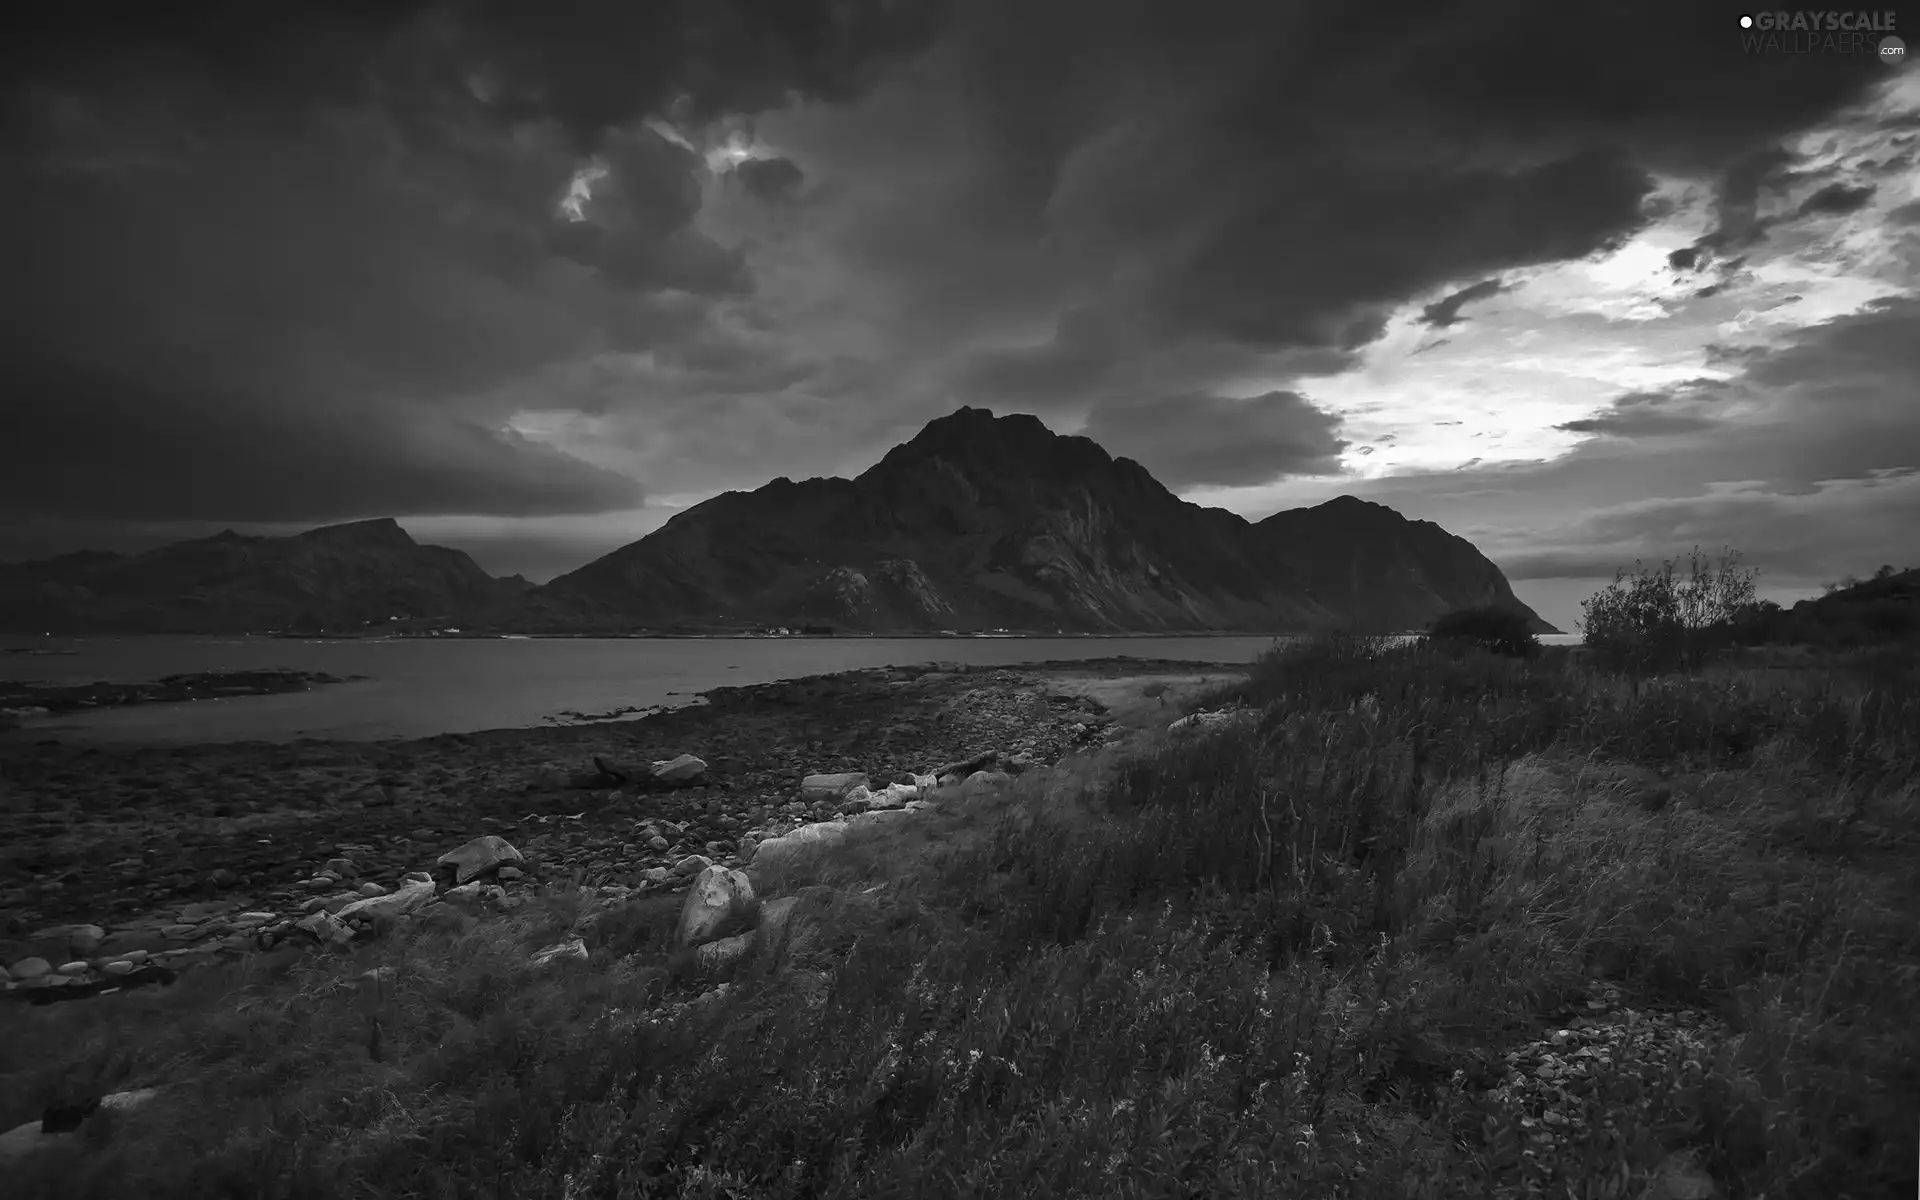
(976,438)
(377,531)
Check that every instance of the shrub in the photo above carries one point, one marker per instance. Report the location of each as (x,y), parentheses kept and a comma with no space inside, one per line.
(1500,630)
(1652,620)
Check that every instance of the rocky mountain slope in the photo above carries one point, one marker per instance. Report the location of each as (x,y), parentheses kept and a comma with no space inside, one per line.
(340,577)
(985,522)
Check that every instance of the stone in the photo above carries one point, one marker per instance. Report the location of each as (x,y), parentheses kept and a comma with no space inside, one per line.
(66,940)
(221,877)
(571,949)
(485,853)
(679,771)
(1205,720)
(31,968)
(982,780)
(715,956)
(894,795)
(118,967)
(658,844)
(776,851)
(719,904)
(858,796)
(370,889)
(509,874)
(343,867)
(406,899)
(832,787)
(467,895)
(72,968)
(325,928)
(691,865)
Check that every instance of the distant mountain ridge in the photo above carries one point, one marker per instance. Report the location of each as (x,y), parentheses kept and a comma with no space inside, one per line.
(337,577)
(977,523)
(983,522)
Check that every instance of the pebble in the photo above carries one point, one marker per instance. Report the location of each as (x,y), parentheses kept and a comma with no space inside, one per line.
(728,819)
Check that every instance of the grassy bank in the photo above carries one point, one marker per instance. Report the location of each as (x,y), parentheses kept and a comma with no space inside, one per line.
(1287,956)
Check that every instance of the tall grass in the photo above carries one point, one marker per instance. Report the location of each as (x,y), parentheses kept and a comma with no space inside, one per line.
(1280,958)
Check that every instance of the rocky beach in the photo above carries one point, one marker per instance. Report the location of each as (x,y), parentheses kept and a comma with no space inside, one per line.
(129,863)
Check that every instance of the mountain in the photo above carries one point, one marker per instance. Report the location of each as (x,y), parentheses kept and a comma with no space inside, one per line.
(985,522)
(340,577)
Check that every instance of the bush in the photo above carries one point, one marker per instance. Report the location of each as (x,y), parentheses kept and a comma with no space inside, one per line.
(1655,621)
(1500,630)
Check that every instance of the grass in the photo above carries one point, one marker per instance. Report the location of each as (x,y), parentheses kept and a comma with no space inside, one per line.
(1281,958)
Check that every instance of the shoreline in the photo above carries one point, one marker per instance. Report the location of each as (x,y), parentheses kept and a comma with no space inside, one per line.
(107,834)
(30,699)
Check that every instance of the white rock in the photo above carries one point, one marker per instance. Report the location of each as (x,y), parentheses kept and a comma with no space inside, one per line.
(325,928)
(478,856)
(832,787)
(691,865)
(129,1100)
(409,897)
(467,895)
(858,796)
(683,769)
(573,948)
(718,955)
(789,846)
(1206,720)
(720,903)
(894,795)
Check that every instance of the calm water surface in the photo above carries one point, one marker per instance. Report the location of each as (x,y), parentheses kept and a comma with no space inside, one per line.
(418,687)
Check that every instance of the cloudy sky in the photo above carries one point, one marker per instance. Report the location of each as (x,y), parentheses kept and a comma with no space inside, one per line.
(1583,283)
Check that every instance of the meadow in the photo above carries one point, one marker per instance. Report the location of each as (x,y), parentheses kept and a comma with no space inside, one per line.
(1413,921)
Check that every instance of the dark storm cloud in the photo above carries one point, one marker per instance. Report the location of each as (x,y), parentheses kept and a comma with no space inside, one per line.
(633,228)
(1188,441)
(1283,176)
(108,447)
(769,178)
(303,249)
(1446,310)
(1684,409)
(281,230)
(1836,200)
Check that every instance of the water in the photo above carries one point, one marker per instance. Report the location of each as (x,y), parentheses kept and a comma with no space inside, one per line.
(419,687)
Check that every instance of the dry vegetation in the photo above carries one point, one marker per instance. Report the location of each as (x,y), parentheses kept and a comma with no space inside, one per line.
(1289,957)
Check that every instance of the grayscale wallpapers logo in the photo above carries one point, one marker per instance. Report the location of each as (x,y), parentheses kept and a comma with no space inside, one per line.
(1863,34)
